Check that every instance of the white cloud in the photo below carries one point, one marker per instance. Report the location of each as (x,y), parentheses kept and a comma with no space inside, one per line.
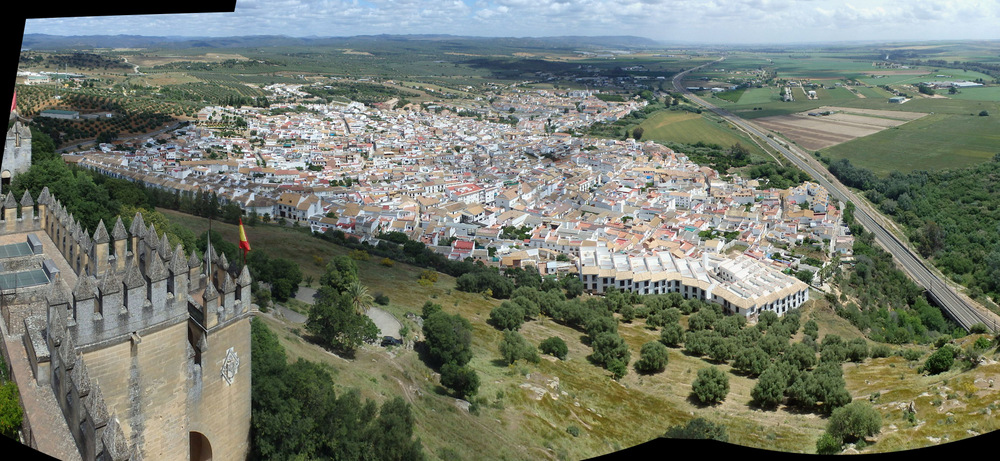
(691,20)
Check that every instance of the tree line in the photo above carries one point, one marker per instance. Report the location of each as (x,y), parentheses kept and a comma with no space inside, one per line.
(951,216)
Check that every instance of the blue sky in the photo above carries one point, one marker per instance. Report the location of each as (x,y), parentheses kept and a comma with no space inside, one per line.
(702,21)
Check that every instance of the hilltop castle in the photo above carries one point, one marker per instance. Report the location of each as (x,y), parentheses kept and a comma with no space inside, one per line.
(121,346)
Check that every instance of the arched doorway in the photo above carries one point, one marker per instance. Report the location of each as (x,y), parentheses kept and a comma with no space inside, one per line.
(201,449)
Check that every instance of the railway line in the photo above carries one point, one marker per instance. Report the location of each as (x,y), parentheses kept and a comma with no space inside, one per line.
(955,306)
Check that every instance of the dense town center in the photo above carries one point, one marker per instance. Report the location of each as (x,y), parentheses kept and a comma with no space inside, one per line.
(515,192)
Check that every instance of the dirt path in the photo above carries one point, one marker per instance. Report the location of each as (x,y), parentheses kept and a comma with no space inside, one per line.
(386,322)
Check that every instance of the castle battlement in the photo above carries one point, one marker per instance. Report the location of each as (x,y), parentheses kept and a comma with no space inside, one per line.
(123,332)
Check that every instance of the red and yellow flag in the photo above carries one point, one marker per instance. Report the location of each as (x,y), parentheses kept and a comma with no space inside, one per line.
(244,243)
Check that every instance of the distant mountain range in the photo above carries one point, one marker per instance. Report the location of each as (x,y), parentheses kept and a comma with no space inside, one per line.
(58,42)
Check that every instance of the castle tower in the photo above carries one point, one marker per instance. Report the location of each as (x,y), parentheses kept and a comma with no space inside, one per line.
(142,355)
(16,154)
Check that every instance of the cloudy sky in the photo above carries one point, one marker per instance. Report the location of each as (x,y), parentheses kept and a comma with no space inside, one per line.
(703,21)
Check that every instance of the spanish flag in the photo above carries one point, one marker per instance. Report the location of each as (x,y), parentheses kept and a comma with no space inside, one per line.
(244,243)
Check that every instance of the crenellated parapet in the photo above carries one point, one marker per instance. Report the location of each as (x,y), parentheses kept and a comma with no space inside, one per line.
(159,331)
(130,280)
(80,398)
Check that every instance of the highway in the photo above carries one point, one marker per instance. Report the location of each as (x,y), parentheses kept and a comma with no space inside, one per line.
(955,306)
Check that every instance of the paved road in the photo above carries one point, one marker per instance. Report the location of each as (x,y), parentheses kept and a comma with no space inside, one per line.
(93,143)
(963,311)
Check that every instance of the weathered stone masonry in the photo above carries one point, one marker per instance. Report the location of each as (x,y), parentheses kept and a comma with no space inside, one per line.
(148,354)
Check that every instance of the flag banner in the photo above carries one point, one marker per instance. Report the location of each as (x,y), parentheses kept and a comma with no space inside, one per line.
(244,243)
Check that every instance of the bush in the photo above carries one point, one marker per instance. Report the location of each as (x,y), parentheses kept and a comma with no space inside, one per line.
(978,329)
(827,445)
(698,429)
(881,350)
(652,358)
(711,385)
(555,347)
(10,409)
(507,316)
(514,347)
(461,379)
(940,361)
(672,334)
(448,339)
(854,422)
(911,354)
(610,349)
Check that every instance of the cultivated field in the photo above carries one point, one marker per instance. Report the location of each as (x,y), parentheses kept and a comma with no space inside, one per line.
(819,132)
(690,128)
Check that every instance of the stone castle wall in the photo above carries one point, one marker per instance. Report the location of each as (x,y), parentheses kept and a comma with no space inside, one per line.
(142,351)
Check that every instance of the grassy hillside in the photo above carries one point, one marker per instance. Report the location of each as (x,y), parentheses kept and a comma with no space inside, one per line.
(523,411)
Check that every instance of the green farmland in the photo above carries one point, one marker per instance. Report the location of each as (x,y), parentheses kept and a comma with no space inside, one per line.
(690,128)
(991,93)
(935,142)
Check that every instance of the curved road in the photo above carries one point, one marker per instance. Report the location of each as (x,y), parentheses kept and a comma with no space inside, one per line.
(958,308)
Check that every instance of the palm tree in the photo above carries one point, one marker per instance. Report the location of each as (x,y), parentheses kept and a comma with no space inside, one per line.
(361,299)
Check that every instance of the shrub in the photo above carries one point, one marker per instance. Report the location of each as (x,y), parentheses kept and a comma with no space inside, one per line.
(711,385)
(514,347)
(827,445)
(652,358)
(854,422)
(555,347)
(940,361)
(672,334)
(507,316)
(880,350)
(461,379)
(387,262)
(429,275)
(979,328)
(11,414)
(698,429)
(911,354)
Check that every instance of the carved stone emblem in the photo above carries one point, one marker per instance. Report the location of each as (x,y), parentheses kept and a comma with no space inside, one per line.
(230,366)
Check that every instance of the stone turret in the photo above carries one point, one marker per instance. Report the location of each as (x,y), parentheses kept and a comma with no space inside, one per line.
(137,231)
(10,208)
(121,244)
(27,207)
(101,251)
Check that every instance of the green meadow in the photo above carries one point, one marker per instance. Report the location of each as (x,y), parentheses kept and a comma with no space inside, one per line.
(937,141)
(690,128)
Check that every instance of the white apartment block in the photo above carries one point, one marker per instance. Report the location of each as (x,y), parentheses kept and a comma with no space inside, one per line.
(741,286)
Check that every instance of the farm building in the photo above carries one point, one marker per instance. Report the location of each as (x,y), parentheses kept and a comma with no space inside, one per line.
(897,100)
